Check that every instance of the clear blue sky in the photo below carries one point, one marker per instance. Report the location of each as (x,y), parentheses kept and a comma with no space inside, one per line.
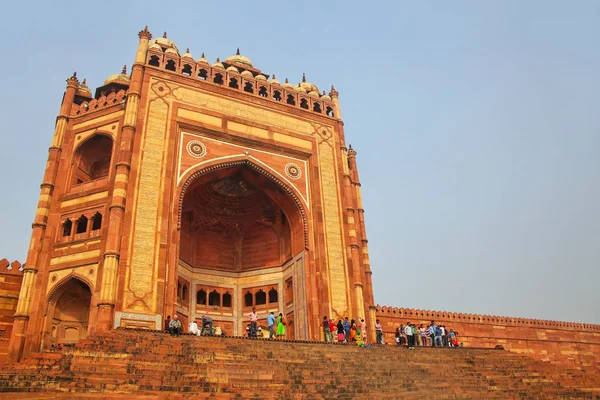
(477,126)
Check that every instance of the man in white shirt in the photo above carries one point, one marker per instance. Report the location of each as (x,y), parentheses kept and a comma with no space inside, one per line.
(193,328)
(409,335)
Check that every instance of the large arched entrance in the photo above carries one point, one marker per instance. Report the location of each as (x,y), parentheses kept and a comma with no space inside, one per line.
(241,246)
(68,314)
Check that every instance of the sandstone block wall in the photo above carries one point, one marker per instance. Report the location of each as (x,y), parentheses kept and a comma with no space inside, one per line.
(563,343)
(10,285)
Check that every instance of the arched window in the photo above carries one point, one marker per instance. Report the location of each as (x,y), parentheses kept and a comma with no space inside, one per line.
(304,104)
(273,298)
(248,299)
(92,159)
(187,70)
(67,227)
(290,99)
(96,221)
(179,290)
(203,74)
(184,292)
(262,92)
(233,83)
(201,297)
(171,65)
(248,87)
(214,298)
(218,79)
(261,298)
(82,224)
(277,95)
(317,107)
(329,111)
(227,300)
(154,61)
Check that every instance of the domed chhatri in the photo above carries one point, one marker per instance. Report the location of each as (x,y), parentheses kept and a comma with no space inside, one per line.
(187,54)
(164,43)
(121,78)
(202,59)
(307,86)
(239,59)
(83,89)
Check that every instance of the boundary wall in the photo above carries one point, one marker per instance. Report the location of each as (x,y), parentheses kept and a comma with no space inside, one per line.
(573,345)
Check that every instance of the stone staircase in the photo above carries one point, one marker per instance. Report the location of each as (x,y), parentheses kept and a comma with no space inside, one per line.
(124,363)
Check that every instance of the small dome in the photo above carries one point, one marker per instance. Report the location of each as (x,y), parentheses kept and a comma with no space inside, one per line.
(314,94)
(325,96)
(274,81)
(163,42)
(218,64)
(202,59)
(299,88)
(121,78)
(247,74)
(83,90)
(155,46)
(187,54)
(260,77)
(287,84)
(239,59)
(233,69)
(172,50)
(309,87)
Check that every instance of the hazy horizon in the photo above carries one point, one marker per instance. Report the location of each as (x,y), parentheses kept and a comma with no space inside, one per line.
(477,127)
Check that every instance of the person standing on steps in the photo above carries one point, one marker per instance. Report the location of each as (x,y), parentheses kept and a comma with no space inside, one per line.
(253,320)
(363,329)
(353,329)
(332,329)
(340,331)
(326,330)
(168,324)
(346,329)
(271,324)
(207,321)
(379,332)
(175,326)
(280,327)
(431,332)
(409,335)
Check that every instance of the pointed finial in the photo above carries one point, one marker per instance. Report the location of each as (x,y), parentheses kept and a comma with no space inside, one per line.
(124,71)
(187,50)
(333,93)
(286,80)
(237,53)
(73,81)
(350,146)
(203,55)
(218,60)
(84,81)
(274,76)
(145,33)
(324,93)
(303,77)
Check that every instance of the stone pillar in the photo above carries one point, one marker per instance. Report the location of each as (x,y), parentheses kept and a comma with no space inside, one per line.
(334,96)
(359,309)
(362,252)
(116,209)
(30,269)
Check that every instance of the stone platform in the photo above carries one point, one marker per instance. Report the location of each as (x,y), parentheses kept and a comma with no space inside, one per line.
(150,365)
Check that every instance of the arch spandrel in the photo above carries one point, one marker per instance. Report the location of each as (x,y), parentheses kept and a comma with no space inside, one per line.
(198,152)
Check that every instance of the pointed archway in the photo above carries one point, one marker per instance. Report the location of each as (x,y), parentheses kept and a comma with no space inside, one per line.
(68,313)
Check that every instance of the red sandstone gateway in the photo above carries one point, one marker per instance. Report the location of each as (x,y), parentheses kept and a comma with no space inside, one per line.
(188,188)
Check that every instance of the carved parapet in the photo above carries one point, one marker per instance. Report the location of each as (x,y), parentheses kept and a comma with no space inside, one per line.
(204,73)
(103,102)
(13,268)
(446,316)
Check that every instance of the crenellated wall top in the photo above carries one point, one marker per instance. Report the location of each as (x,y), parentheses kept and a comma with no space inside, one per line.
(12,268)
(480,318)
